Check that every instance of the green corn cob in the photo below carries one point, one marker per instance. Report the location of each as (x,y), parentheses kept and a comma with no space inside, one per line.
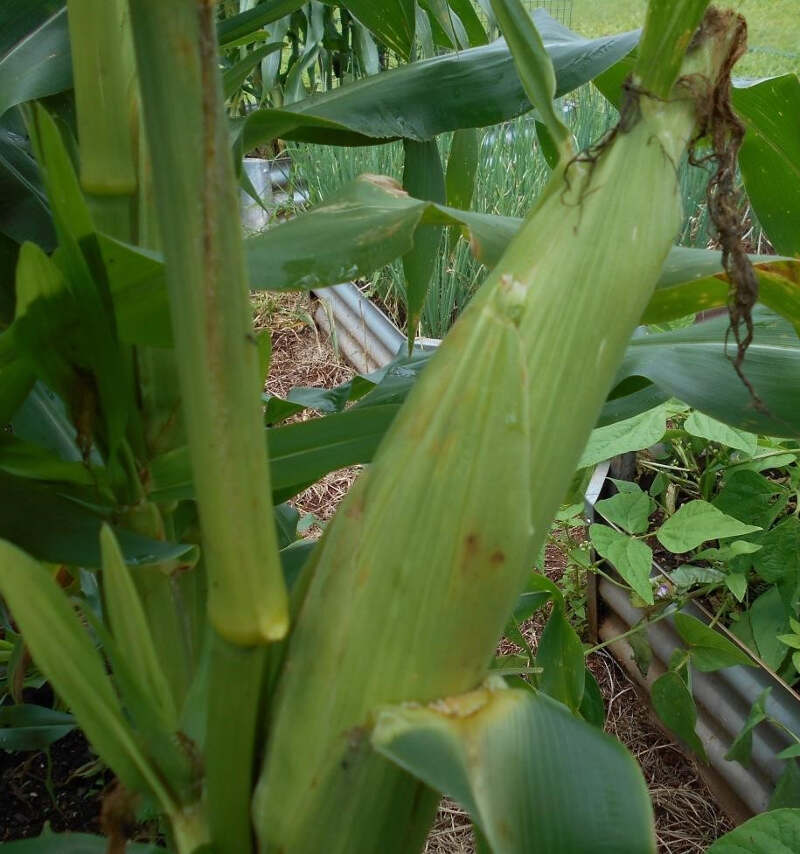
(415,578)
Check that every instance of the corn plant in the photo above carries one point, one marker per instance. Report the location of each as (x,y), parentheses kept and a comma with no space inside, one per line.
(252,693)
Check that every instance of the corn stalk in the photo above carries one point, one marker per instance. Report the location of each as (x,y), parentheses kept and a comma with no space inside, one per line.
(218,368)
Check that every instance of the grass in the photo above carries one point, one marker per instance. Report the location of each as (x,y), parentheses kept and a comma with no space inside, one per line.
(774,29)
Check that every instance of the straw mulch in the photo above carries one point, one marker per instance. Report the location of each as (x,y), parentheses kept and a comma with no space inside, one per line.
(687,818)
(301,357)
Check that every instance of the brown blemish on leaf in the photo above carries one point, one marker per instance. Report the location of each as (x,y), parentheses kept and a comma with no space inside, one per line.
(471,543)
(785,269)
(384,182)
(497,558)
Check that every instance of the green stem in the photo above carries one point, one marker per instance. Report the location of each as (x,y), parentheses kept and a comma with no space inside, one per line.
(637,628)
(695,594)
(715,619)
(217,354)
(782,726)
(231,742)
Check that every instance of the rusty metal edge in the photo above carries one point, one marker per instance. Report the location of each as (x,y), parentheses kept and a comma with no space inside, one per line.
(723,700)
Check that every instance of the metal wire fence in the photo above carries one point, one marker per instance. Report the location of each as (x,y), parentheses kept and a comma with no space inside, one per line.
(561,10)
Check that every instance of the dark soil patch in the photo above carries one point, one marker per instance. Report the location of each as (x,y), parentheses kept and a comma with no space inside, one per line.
(61,787)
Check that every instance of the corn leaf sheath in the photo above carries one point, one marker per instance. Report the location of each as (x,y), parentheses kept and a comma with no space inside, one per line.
(217,352)
(418,572)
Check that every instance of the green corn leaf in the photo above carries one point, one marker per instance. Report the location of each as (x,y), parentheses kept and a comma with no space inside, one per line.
(245,23)
(63,526)
(16,376)
(35,55)
(70,212)
(130,629)
(234,76)
(299,453)
(376,218)
(424,33)
(139,292)
(30,727)
(692,365)
(471,21)
(710,650)
(46,326)
(73,843)
(449,21)
(520,763)
(294,87)
(692,280)
(474,88)
(43,419)
(366,50)
(26,459)
(63,651)
(669,27)
(18,18)
(422,178)
(391,21)
(73,225)
(462,166)
(25,214)
(770,156)
(535,70)
(174,757)
(775,832)
(697,522)
(633,559)
(675,706)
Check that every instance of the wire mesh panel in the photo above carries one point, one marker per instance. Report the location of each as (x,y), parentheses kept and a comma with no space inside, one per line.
(561,10)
